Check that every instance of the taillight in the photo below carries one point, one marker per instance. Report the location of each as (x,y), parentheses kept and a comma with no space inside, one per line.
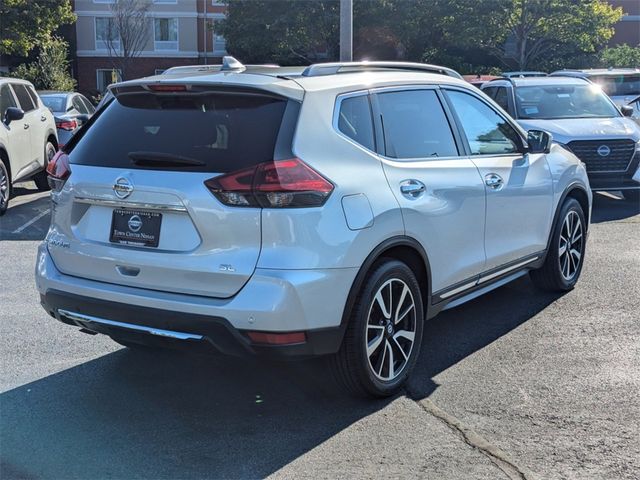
(67,124)
(276,184)
(58,171)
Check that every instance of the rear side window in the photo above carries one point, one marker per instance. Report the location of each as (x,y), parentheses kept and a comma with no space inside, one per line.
(79,105)
(222,131)
(415,125)
(502,99)
(90,108)
(26,103)
(355,120)
(6,99)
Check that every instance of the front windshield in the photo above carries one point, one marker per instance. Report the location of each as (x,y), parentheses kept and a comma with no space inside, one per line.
(563,101)
(618,85)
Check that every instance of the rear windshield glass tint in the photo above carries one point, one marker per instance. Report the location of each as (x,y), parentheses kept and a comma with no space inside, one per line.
(222,132)
(57,104)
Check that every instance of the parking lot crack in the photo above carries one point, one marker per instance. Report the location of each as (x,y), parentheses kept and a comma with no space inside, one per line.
(499,458)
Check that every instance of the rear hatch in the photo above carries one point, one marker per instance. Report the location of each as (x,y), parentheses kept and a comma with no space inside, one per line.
(135,210)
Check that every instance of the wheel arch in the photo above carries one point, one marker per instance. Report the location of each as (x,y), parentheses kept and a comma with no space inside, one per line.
(403,248)
(4,157)
(579,193)
(51,137)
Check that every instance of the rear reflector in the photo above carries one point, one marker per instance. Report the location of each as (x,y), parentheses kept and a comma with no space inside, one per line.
(58,170)
(277,338)
(276,184)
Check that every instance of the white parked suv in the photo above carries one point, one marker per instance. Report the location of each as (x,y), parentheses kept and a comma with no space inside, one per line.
(327,210)
(28,137)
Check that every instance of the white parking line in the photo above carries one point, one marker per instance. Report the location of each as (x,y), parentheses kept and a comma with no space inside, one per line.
(32,221)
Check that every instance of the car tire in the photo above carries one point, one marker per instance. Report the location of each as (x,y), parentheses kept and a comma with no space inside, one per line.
(565,257)
(632,196)
(5,187)
(384,332)
(40,178)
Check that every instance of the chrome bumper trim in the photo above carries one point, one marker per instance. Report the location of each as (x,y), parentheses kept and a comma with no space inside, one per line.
(80,317)
(136,205)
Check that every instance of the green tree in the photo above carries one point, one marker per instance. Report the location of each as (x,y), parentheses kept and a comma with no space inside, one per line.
(281,31)
(25,24)
(620,56)
(528,33)
(50,70)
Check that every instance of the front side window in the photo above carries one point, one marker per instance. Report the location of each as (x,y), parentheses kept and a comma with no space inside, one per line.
(166,33)
(354,120)
(563,101)
(25,100)
(487,132)
(415,125)
(6,100)
(106,34)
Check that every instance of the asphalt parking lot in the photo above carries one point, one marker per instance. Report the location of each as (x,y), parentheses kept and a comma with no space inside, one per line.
(516,384)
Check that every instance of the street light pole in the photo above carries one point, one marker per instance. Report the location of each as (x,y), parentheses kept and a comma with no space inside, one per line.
(346,30)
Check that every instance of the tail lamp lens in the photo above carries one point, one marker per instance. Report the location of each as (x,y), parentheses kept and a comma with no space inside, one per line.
(67,124)
(276,184)
(58,171)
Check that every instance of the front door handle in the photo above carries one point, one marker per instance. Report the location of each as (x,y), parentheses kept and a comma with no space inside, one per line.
(26,126)
(412,188)
(43,118)
(493,181)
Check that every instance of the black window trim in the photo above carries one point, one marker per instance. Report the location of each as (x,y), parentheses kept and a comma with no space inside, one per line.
(458,123)
(379,127)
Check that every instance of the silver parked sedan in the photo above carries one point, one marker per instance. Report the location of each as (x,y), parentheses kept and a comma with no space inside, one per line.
(71,110)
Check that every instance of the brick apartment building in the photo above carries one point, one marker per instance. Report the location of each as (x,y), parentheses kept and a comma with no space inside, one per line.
(178,35)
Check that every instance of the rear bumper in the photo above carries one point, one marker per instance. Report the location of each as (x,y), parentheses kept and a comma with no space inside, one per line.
(309,301)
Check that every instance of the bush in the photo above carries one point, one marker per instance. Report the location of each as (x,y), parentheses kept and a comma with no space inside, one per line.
(50,70)
(620,56)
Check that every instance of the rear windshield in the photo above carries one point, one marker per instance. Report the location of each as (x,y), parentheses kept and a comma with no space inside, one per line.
(55,104)
(618,85)
(219,132)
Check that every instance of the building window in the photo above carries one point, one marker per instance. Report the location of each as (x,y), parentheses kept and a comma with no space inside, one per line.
(165,1)
(166,34)
(105,31)
(105,77)
(218,41)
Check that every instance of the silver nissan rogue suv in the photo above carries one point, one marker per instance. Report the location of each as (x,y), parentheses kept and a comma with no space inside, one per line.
(327,210)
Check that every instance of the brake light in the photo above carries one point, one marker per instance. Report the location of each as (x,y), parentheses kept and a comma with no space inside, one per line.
(58,171)
(167,88)
(67,124)
(276,184)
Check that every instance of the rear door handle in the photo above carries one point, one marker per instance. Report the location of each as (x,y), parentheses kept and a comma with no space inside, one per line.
(26,126)
(412,188)
(43,118)
(493,181)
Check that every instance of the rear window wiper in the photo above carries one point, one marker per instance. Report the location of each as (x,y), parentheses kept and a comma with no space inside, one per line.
(159,159)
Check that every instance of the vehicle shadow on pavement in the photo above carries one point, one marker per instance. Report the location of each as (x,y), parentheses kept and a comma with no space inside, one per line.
(28,216)
(134,414)
(606,208)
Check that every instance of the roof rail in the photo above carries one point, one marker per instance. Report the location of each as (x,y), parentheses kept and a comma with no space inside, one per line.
(508,79)
(322,69)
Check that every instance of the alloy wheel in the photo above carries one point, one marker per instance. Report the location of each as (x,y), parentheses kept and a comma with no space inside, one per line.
(571,245)
(4,188)
(391,329)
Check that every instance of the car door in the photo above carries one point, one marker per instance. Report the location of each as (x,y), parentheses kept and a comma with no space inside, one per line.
(518,185)
(437,186)
(19,143)
(30,122)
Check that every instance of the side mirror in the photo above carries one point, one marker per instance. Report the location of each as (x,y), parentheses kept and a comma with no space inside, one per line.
(13,113)
(626,110)
(538,141)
